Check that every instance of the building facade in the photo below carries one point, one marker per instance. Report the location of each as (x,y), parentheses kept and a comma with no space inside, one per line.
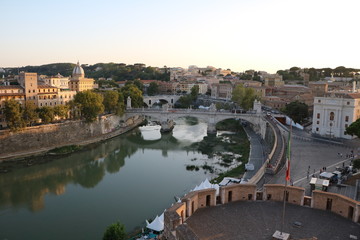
(58,81)
(78,82)
(334,112)
(222,91)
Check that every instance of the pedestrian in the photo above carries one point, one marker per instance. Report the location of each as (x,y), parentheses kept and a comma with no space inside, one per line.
(341,155)
(343,164)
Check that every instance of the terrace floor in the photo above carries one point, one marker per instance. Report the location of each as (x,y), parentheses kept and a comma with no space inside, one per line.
(260,220)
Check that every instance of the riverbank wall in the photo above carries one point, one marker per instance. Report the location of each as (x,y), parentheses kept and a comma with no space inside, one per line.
(40,139)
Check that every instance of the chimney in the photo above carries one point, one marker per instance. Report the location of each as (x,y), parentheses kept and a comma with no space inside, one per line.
(354,86)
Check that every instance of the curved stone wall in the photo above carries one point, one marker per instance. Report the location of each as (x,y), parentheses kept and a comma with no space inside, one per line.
(175,227)
(38,139)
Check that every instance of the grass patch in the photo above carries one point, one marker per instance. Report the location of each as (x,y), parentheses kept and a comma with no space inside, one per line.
(192,168)
(65,150)
(208,168)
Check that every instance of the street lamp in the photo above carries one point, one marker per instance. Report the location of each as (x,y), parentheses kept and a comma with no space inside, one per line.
(331,124)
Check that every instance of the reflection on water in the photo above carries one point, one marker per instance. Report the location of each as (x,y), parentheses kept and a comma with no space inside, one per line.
(190,133)
(93,188)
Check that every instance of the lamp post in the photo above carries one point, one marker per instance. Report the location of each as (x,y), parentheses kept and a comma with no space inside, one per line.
(331,124)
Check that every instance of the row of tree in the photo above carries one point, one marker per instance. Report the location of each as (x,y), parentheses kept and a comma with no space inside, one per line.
(18,116)
(87,105)
(316,74)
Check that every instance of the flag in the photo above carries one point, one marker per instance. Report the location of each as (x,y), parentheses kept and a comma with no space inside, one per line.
(288,158)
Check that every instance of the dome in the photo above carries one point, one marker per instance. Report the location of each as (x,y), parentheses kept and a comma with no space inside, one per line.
(78,71)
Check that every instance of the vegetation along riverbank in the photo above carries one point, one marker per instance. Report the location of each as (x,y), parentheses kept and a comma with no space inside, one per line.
(231,148)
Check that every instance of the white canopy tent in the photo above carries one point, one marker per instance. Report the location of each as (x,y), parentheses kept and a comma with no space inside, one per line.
(205,185)
(157,224)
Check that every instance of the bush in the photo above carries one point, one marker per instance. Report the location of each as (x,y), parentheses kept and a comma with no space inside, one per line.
(115,231)
(356,163)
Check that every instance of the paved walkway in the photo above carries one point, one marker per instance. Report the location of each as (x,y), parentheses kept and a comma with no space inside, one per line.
(257,152)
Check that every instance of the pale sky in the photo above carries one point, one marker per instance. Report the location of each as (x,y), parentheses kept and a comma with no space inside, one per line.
(263,35)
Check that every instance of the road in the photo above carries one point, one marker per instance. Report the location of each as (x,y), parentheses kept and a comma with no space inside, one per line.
(307,153)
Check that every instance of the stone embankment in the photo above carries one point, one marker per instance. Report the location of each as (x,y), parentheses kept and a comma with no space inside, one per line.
(40,139)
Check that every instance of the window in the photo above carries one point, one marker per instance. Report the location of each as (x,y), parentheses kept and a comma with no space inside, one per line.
(317,122)
(319,101)
(346,125)
(208,200)
(318,115)
(347,103)
(332,115)
(346,118)
(317,129)
(229,196)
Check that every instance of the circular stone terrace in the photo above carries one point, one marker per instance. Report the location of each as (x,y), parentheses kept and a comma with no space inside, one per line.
(260,220)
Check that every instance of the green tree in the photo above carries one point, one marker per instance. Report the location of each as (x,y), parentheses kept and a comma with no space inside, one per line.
(244,97)
(134,93)
(185,101)
(115,231)
(62,111)
(111,100)
(194,92)
(90,104)
(46,114)
(356,163)
(297,111)
(120,107)
(354,129)
(13,115)
(137,83)
(74,109)
(153,89)
(30,114)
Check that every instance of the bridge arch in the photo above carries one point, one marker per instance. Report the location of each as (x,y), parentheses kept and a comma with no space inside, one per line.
(170,99)
(164,116)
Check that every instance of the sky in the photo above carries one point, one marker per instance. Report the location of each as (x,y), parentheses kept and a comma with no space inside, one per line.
(266,35)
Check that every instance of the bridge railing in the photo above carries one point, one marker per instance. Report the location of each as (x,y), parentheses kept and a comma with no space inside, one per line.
(188,110)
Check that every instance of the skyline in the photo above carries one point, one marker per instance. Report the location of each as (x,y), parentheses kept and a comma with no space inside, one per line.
(240,35)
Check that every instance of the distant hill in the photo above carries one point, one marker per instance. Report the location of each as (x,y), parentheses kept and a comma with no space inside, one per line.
(52,69)
(315,74)
(116,71)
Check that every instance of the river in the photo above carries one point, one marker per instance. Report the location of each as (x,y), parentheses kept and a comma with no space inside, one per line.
(129,178)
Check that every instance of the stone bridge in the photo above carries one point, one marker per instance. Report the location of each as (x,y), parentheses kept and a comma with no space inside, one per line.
(166,116)
(170,99)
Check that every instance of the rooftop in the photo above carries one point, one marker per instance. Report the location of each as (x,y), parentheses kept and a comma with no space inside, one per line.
(260,220)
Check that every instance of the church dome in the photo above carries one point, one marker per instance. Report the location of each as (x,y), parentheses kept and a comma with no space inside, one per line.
(78,71)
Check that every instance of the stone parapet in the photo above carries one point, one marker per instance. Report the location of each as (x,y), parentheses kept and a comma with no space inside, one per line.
(39,139)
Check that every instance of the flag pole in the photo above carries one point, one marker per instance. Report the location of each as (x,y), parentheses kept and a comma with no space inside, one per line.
(287,176)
